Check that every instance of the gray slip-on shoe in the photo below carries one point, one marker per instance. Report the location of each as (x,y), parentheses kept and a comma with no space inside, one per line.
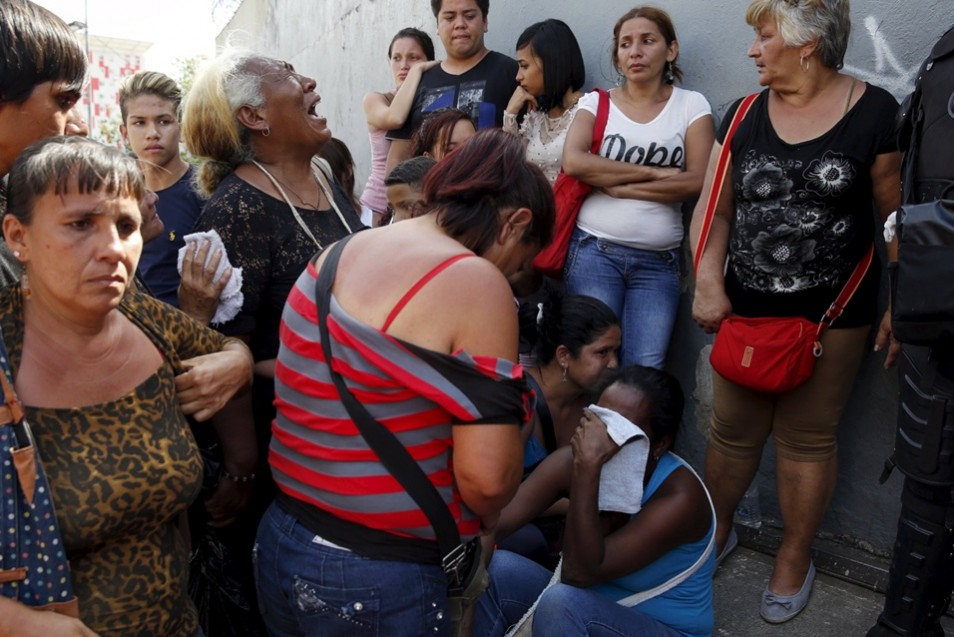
(777,609)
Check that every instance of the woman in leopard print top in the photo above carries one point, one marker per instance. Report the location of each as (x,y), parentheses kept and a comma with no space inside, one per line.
(99,369)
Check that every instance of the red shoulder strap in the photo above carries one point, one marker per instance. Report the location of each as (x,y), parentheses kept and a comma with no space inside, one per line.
(851,286)
(437,269)
(602,114)
(719,177)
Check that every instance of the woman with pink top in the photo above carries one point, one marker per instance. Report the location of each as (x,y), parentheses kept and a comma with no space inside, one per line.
(411,53)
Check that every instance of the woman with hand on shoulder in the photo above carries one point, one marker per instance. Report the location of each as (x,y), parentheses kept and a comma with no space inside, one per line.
(410,54)
(625,249)
(105,375)
(812,162)
(551,73)
(609,556)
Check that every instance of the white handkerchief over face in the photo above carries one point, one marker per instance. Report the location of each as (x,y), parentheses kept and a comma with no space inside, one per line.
(621,480)
(231,298)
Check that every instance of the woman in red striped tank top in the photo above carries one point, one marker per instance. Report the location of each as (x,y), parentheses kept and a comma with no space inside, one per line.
(423,330)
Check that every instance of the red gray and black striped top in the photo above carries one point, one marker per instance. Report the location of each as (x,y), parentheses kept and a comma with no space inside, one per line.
(317,455)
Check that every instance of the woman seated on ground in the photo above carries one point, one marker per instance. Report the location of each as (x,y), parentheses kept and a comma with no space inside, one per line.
(575,342)
(427,339)
(609,556)
(550,73)
(441,132)
(98,366)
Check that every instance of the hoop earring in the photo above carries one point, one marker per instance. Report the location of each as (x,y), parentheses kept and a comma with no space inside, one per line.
(267,131)
(620,78)
(25,287)
(805,63)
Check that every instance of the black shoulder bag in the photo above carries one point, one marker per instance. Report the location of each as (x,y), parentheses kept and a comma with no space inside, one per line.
(922,309)
(462,563)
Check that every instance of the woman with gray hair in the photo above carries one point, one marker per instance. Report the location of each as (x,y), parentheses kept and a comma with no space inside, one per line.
(255,123)
(811,161)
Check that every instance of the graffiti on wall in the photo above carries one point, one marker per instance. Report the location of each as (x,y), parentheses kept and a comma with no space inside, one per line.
(888,73)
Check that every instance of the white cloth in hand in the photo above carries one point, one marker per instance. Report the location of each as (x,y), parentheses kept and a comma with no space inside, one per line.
(890,226)
(231,298)
(621,480)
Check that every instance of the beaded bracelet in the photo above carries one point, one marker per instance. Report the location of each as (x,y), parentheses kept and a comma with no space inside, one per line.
(234,478)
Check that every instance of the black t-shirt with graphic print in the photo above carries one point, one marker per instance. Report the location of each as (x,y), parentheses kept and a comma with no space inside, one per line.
(482,92)
(804,213)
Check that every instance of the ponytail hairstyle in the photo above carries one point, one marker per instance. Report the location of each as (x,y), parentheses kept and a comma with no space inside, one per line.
(573,321)
(210,128)
(666,28)
(485,175)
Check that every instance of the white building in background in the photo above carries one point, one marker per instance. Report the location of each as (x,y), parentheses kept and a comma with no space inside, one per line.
(111,60)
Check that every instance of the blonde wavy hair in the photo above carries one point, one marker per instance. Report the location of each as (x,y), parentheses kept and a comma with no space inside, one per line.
(210,128)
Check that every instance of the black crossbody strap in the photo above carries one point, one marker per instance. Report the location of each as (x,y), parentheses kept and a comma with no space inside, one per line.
(394,456)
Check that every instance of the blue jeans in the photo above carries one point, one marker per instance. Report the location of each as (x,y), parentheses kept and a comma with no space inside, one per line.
(308,589)
(515,582)
(641,286)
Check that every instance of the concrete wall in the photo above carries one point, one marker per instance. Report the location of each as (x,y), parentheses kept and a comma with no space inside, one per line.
(343,44)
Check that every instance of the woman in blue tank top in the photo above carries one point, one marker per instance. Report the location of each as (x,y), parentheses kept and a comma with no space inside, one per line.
(609,556)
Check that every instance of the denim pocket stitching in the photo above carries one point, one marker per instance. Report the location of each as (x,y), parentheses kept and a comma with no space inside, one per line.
(364,603)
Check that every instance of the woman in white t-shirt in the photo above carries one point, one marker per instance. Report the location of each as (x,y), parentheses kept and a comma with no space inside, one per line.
(625,249)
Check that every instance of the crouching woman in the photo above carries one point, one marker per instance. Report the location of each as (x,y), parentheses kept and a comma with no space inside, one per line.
(609,557)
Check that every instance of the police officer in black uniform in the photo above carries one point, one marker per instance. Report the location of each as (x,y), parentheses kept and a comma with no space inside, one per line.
(922,568)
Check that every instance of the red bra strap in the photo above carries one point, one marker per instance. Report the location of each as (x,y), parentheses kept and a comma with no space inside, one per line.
(440,267)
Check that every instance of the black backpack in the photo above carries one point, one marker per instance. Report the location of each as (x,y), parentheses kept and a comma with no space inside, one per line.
(923,284)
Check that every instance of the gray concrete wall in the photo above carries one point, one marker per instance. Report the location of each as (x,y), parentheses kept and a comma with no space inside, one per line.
(343,44)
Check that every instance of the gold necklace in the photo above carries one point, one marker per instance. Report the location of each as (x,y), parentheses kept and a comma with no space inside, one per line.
(304,203)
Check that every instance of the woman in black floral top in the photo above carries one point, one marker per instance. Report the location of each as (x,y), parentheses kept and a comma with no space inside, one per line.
(812,163)
(255,123)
